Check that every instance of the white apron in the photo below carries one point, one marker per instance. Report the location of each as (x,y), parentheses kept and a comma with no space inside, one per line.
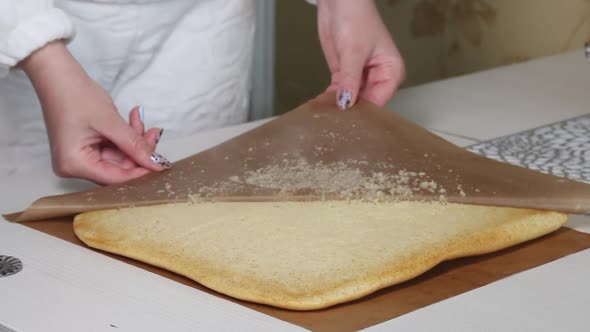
(188,62)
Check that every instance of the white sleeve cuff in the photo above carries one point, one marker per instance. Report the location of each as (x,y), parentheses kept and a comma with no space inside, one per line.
(32,34)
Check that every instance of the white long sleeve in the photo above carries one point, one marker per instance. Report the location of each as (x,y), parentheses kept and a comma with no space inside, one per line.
(27,25)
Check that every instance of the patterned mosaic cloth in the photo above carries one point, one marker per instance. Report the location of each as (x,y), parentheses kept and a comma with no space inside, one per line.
(561,149)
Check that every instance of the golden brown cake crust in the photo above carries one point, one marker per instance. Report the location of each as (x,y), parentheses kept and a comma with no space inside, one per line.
(307,255)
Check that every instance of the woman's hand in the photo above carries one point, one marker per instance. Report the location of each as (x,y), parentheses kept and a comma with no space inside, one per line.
(88,137)
(361,55)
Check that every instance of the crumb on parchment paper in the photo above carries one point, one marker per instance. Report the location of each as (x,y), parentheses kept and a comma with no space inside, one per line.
(343,179)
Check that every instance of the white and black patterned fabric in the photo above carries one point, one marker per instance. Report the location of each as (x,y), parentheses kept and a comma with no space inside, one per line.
(561,149)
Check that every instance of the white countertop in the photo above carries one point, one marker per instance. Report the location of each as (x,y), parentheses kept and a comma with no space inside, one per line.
(64,287)
(502,101)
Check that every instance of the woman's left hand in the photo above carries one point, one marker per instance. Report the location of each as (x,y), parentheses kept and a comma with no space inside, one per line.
(361,55)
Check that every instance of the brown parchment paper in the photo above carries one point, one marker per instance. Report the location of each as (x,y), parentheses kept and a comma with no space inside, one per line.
(448,279)
(318,132)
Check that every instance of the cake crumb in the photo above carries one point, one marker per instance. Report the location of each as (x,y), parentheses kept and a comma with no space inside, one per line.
(345,179)
(341,178)
(428,185)
(461,192)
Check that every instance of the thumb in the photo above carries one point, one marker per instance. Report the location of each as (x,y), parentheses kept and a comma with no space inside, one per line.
(350,77)
(135,146)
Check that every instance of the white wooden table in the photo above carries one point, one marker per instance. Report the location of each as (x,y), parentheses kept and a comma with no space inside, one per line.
(64,287)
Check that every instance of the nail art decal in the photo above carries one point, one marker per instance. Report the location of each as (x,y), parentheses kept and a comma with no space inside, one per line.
(159,135)
(159,159)
(141,114)
(344,99)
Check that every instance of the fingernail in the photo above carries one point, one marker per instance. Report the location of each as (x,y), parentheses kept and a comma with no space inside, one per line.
(344,99)
(159,136)
(160,160)
(141,114)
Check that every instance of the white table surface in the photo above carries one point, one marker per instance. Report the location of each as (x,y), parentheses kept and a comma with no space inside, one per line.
(64,287)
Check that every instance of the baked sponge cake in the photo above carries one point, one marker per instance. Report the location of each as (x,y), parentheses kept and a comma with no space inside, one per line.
(307,255)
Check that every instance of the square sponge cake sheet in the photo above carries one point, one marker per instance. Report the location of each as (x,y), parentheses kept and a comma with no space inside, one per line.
(310,254)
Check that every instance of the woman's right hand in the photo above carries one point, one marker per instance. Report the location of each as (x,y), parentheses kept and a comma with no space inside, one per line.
(88,137)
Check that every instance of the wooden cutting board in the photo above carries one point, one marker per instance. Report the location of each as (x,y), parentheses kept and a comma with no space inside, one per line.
(444,281)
